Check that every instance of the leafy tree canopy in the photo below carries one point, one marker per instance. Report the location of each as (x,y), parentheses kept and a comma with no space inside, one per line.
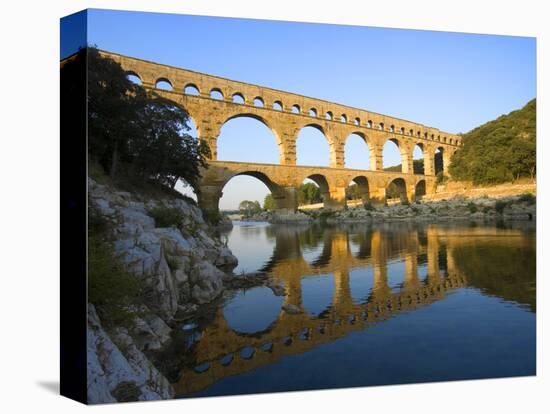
(130,131)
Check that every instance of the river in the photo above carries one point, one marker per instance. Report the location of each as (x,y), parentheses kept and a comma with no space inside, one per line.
(380,304)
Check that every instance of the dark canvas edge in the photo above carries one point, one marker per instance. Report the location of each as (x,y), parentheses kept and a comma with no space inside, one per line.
(73,236)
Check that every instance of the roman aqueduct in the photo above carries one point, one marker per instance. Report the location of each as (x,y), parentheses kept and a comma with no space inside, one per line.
(212,101)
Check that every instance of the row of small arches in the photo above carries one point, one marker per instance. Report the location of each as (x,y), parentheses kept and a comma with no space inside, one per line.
(238,98)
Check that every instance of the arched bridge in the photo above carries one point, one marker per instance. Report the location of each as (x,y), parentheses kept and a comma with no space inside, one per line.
(211,101)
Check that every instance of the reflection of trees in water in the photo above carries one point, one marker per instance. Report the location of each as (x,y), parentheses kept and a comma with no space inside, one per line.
(507,271)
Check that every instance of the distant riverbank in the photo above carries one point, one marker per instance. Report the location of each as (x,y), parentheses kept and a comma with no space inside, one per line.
(484,208)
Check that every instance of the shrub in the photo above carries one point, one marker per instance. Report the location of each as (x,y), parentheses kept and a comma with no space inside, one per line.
(527,198)
(166,216)
(500,206)
(472,207)
(111,288)
(486,209)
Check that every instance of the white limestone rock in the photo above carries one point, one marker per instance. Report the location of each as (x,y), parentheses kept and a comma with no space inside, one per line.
(110,370)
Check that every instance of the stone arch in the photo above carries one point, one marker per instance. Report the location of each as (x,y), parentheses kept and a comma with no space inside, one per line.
(134,77)
(216,93)
(363,188)
(295,109)
(272,187)
(238,98)
(301,151)
(191,89)
(397,189)
(323,185)
(420,190)
(357,121)
(370,149)
(262,121)
(278,105)
(164,84)
(258,102)
(343,118)
(419,166)
(387,153)
(329,116)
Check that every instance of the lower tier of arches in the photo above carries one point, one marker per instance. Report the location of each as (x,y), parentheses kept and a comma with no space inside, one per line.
(283,181)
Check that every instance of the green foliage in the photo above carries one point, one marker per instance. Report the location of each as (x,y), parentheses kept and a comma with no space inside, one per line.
(309,193)
(528,198)
(440,178)
(353,192)
(248,208)
(111,288)
(418,167)
(472,207)
(269,203)
(166,216)
(500,205)
(499,151)
(131,132)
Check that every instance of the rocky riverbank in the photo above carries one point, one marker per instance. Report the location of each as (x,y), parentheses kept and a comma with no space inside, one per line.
(516,207)
(180,268)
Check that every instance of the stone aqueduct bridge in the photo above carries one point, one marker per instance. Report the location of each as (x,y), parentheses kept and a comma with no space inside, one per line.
(218,100)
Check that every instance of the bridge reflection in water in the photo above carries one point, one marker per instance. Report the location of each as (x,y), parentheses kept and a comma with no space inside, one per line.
(426,257)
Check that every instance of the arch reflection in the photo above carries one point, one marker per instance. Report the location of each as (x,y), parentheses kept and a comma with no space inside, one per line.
(376,272)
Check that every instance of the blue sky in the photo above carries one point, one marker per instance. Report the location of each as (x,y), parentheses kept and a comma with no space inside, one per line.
(452,81)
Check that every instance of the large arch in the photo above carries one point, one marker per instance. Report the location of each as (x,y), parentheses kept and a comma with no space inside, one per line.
(419,159)
(357,151)
(257,185)
(420,190)
(392,159)
(397,190)
(252,132)
(312,146)
(360,189)
(322,183)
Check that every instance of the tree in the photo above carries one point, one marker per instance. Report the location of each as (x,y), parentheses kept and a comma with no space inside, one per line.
(309,193)
(248,208)
(269,203)
(127,125)
(114,105)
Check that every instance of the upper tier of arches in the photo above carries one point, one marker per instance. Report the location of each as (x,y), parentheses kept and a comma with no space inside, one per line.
(150,74)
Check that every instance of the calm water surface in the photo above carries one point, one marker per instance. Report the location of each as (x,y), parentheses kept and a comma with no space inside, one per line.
(382,304)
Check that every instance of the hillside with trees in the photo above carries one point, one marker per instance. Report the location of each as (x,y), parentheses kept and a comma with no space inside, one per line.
(499,151)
